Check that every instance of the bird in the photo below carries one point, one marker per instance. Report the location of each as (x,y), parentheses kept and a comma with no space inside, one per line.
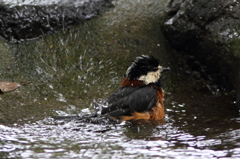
(140,95)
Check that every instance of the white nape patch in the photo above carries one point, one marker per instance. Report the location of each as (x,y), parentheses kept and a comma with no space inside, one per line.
(151,77)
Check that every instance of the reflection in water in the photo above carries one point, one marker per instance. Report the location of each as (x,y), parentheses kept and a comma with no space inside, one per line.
(73,68)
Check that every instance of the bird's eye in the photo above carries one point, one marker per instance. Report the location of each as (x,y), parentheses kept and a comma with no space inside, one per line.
(155,69)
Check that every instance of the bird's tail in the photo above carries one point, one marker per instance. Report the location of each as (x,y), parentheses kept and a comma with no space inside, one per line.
(88,118)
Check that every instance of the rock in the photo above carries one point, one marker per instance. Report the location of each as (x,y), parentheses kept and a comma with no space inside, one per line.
(28,21)
(207,32)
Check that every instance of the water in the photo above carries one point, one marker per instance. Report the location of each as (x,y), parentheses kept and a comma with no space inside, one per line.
(51,139)
(73,68)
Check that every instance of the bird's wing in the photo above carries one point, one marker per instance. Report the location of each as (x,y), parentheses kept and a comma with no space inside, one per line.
(126,100)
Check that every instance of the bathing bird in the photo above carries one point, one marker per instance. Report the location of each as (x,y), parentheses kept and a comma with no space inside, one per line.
(140,95)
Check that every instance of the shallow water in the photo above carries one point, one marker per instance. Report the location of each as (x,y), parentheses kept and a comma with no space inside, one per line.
(71,69)
(50,139)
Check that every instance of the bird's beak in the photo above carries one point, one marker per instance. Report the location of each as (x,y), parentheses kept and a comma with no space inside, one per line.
(165,69)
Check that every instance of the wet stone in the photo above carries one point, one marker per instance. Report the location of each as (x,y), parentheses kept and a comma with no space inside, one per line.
(207,32)
(19,22)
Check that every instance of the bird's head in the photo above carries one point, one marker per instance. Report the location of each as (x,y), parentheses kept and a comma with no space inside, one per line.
(145,68)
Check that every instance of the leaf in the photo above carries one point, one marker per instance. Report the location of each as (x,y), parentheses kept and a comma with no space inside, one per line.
(10,86)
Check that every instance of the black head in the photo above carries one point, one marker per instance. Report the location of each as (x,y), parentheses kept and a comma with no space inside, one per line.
(144,68)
